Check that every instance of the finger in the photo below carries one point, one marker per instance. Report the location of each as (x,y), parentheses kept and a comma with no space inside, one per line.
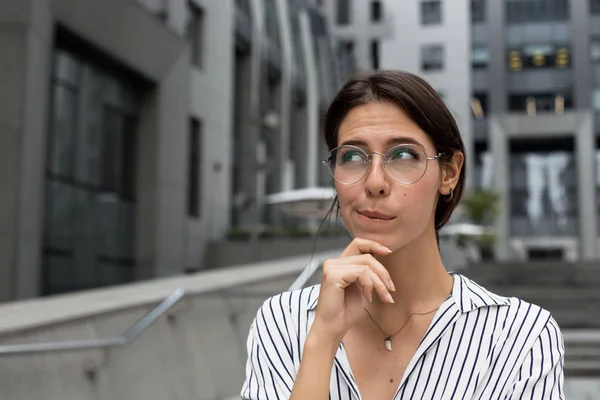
(353,274)
(365,280)
(380,288)
(375,265)
(365,246)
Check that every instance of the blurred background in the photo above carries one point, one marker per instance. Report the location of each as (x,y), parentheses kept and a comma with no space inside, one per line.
(169,152)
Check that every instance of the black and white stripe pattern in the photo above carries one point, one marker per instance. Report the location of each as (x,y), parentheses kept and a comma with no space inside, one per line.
(479,346)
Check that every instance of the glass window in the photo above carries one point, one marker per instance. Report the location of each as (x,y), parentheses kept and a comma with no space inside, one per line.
(595,6)
(431,12)
(477,11)
(196,32)
(343,12)
(64,123)
(432,57)
(596,100)
(527,11)
(194,164)
(539,56)
(375,54)
(480,57)
(376,11)
(90,174)
(533,104)
(595,50)
(479,105)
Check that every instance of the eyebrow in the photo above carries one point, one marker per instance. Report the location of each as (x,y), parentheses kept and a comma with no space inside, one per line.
(390,142)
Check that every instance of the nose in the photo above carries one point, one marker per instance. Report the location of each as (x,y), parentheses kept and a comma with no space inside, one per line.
(377,183)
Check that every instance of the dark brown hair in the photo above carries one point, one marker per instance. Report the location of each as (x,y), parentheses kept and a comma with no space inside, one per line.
(422,105)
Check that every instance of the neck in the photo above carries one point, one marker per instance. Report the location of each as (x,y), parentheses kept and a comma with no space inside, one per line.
(422,283)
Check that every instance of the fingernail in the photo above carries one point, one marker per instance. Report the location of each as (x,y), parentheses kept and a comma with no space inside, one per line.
(386,249)
(391,285)
(390,298)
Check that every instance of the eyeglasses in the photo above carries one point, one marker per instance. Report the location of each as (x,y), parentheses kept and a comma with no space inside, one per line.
(404,163)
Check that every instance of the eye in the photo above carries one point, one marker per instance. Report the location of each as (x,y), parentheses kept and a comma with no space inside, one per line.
(403,153)
(350,155)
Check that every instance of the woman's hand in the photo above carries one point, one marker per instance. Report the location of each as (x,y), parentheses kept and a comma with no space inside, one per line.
(348,282)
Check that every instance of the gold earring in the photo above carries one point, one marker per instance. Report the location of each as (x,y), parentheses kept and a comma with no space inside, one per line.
(450,196)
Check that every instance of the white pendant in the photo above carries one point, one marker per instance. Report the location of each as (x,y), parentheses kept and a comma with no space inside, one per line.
(388,344)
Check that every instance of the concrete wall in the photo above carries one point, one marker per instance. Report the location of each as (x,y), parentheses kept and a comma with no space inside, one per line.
(198,351)
(25,40)
(211,101)
(403,51)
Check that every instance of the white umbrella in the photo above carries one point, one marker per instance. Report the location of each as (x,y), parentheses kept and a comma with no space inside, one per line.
(313,202)
(464,229)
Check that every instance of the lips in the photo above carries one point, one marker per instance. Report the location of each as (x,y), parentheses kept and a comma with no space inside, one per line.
(375,215)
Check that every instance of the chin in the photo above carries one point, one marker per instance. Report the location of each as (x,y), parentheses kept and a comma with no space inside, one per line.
(387,239)
(394,239)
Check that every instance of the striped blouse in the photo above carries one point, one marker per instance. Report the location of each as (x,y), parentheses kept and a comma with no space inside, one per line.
(479,346)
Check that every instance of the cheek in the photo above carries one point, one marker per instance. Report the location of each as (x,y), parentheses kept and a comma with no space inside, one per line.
(419,199)
(347,194)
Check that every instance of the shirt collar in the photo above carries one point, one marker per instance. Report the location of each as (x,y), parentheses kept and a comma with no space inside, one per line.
(467,295)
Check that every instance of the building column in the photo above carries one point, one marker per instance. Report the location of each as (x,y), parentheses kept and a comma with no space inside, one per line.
(496,20)
(312,96)
(26,54)
(499,149)
(286,47)
(579,12)
(585,149)
(251,128)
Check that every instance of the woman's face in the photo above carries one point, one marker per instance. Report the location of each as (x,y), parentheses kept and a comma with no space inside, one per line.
(403,212)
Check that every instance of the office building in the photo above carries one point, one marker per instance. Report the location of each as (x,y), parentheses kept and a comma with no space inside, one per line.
(132,132)
(432,39)
(360,27)
(522,78)
(536,124)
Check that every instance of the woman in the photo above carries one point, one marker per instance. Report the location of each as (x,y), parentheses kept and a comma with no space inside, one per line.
(388,321)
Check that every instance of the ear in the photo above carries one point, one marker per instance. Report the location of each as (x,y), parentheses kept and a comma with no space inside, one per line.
(451,172)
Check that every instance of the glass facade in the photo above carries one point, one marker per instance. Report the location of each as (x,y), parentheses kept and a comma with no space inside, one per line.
(528,11)
(543,195)
(90,185)
(540,78)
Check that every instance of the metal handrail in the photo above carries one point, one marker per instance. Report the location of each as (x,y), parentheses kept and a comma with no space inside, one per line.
(133,332)
(89,344)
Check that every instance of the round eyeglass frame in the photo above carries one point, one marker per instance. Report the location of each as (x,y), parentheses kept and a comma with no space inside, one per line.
(369,158)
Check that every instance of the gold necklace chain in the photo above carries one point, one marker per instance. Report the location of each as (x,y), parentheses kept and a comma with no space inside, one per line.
(388,338)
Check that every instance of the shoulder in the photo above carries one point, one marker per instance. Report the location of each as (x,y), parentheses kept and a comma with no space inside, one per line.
(288,305)
(515,317)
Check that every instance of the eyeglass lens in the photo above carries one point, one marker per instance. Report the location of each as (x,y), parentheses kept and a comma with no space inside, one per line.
(404,163)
